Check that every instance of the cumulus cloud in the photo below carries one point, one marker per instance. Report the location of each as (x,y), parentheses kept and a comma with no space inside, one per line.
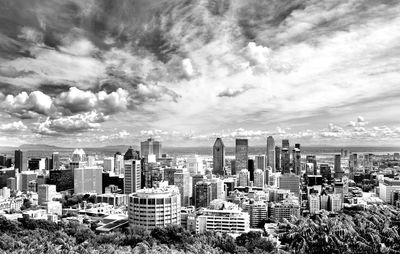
(13,127)
(70,124)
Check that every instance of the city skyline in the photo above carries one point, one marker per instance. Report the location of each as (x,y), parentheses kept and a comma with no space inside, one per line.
(80,74)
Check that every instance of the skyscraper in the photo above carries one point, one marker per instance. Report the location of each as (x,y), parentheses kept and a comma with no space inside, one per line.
(338,167)
(260,161)
(297,159)
(250,167)
(244,178)
(259,178)
(277,158)
(313,160)
(132,176)
(270,153)
(131,154)
(19,160)
(219,157)
(241,154)
(285,156)
(150,146)
(203,192)
(88,179)
(55,157)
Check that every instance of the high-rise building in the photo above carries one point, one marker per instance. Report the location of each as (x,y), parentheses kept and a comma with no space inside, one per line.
(285,210)
(285,156)
(55,158)
(297,159)
(259,178)
(250,167)
(338,167)
(118,163)
(244,178)
(183,181)
(270,153)
(132,176)
(387,187)
(36,163)
(290,182)
(278,166)
(219,157)
(151,208)
(241,154)
(88,180)
(353,162)
(195,179)
(195,165)
(260,161)
(3,159)
(203,194)
(335,202)
(150,146)
(19,161)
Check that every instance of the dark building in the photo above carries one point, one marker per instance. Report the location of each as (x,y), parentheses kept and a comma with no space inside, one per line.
(108,180)
(3,160)
(219,157)
(34,163)
(297,159)
(251,169)
(195,180)
(285,156)
(19,160)
(241,154)
(325,171)
(169,175)
(338,167)
(278,159)
(8,162)
(4,175)
(233,167)
(203,194)
(62,179)
(313,180)
(131,154)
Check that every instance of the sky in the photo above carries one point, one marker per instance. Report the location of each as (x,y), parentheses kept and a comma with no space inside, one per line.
(99,72)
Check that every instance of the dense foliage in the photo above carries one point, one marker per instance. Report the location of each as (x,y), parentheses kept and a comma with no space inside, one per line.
(372,231)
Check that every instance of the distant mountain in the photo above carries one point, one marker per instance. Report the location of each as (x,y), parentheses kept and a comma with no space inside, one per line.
(38,147)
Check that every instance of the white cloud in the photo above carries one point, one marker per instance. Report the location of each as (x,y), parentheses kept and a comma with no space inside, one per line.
(13,127)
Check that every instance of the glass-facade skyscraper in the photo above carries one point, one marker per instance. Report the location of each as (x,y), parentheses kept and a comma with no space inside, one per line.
(241,154)
(219,157)
(270,153)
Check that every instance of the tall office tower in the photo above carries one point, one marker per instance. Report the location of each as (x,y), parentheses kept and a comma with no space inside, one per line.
(19,161)
(338,167)
(108,164)
(285,157)
(312,159)
(183,181)
(342,152)
(244,178)
(233,167)
(260,161)
(78,155)
(297,159)
(314,203)
(132,176)
(88,180)
(259,178)
(219,157)
(250,167)
(290,182)
(386,189)
(241,154)
(203,193)
(151,208)
(91,160)
(169,175)
(335,202)
(218,188)
(270,153)
(118,163)
(55,158)
(150,146)
(278,166)
(325,170)
(131,154)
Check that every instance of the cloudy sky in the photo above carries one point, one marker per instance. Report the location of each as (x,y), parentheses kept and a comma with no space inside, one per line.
(102,72)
